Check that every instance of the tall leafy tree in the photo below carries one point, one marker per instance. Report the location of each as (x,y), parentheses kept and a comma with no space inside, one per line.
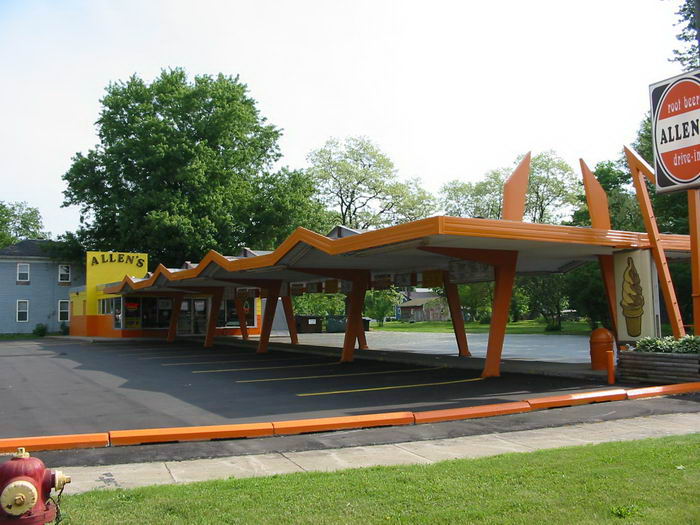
(359,184)
(551,194)
(380,304)
(482,198)
(689,54)
(19,221)
(183,167)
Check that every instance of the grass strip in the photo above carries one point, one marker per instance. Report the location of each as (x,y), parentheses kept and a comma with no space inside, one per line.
(645,481)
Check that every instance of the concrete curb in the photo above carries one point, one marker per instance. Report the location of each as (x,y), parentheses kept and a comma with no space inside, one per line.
(301,426)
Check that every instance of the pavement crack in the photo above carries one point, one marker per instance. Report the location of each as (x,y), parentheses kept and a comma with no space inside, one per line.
(165,464)
(285,456)
(413,453)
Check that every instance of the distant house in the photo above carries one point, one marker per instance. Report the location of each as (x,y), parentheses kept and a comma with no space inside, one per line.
(430,308)
(34,288)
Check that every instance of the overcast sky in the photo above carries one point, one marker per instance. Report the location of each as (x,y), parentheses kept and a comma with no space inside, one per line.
(448,90)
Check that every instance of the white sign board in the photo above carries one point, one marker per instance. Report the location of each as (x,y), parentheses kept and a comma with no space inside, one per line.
(675,123)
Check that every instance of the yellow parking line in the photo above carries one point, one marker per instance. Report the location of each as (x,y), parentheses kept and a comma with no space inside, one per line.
(334,363)
(233,361)
(341,375)
(389,387)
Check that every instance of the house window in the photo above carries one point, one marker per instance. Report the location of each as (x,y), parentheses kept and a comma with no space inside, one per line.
(23,272)
(64,273)
(64,311)
(22,311)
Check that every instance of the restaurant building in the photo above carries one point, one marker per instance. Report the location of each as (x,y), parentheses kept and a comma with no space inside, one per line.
(94,312)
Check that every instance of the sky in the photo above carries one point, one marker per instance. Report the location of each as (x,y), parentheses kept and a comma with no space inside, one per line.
(447,89)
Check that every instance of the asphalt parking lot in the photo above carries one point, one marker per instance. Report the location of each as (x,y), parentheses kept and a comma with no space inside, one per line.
(53,386)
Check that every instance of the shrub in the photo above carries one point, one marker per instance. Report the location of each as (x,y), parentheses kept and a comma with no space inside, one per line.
(485,319)
(65,330)
(666,345)
(40,330)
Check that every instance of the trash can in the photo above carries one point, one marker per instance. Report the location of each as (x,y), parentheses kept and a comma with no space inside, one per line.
(309,324)
(601,341)
(365,323)
(336,323)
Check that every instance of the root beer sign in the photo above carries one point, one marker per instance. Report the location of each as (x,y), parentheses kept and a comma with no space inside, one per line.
(675,117)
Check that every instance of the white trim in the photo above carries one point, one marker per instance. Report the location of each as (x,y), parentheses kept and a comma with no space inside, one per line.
(17,310)
(67,311)
(29,276)
(70,272)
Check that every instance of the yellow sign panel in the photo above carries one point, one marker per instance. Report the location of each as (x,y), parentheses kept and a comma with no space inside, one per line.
(109,267)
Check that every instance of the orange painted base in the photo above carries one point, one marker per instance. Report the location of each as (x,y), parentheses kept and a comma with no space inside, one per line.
(102,326)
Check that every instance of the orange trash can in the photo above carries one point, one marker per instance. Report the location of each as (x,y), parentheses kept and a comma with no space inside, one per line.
(602,341)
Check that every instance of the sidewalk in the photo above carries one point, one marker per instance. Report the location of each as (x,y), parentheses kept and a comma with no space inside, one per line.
(414,452)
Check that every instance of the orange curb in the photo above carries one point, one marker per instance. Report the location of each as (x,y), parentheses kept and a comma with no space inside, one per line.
(452,414)
(582,398)
(67,441)
(302,426)
(160,435)
(665,390)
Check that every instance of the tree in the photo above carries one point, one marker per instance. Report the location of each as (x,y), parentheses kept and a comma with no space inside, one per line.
(547,297)
(19,221)
(689,55)
(552,190)
(380,304)
(322,304)
(622,203)
(358,182)
(183,167)
(475,199)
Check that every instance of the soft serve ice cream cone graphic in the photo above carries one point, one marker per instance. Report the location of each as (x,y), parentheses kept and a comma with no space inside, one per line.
(632,299)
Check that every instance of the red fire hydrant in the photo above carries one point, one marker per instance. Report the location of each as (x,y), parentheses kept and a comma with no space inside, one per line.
(25,489)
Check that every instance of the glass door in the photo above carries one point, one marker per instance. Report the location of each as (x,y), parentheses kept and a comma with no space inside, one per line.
(184,322)
(199,317)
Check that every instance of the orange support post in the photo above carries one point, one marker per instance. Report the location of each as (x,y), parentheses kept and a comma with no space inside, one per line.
(694,222)
(174,317)
(213,317)
(273,293)
(610,355)
(291,323)
(456,315)
(599,210)
(505,278)
(242,323)
(361,336)
(607,270)
(356,301)
(640,169)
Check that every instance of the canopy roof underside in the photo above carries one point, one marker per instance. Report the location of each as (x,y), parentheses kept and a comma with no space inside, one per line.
(541,248)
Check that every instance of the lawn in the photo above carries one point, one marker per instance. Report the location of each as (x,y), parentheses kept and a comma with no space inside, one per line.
(521,327)
(646,481)
(12,337)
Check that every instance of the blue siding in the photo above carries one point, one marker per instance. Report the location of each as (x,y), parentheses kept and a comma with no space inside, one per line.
(43,293)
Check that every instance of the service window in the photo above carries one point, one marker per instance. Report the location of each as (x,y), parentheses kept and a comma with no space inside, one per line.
(118,313)
(64,273)
(23,272)
(22,311)
(132,313)
(64,311)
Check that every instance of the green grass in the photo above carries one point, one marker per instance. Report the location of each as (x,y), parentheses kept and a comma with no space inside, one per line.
(521,327)
(12,337)
(646,481)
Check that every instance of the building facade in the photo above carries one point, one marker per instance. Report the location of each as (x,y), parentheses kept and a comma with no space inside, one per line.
(96,312)
(35,288)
